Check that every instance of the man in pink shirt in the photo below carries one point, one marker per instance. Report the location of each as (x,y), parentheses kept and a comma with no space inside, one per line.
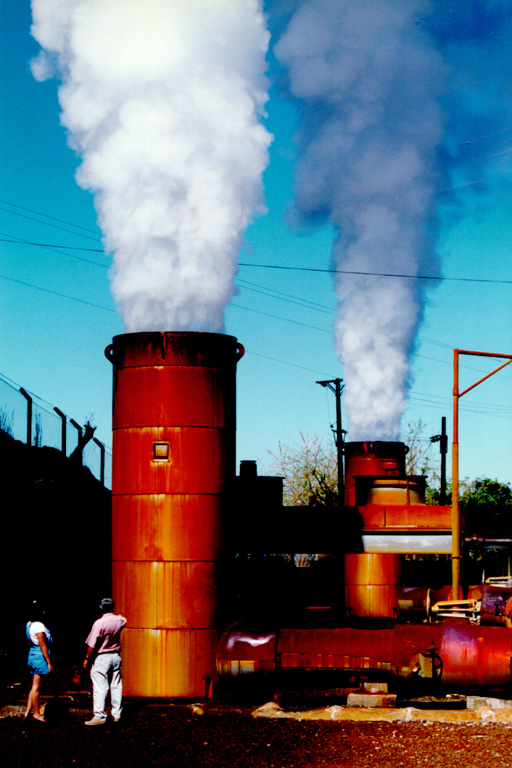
(104,642)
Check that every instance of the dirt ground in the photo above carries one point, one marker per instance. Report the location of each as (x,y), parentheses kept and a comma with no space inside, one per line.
(229,735)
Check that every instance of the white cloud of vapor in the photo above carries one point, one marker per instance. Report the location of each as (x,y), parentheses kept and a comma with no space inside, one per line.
(397,101)
(162,102)
(368,79)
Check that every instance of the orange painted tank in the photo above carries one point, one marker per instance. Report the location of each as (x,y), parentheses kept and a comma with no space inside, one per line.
(379,459)
(173,461)
(372,584)
(372,581)
(397,491)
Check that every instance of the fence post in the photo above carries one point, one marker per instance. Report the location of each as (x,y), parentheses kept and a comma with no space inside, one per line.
(102,459)
(63,430)
(80,432)
(29,414)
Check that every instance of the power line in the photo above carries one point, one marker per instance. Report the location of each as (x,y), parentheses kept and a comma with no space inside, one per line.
(278,317)
(56,293)
(285,362)
(307,303)
(376,274)
(237,306)
(50,245)
(47,224)
(439,278)
(46,216)
(54,249)
(247,309)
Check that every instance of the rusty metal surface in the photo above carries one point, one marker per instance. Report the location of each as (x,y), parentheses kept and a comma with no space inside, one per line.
(378,458)
(405,517)
(177,595)
(176,399)
(372,584)
(174,348)
(242,651)
(200,460)
(470,654)
(372,600)
(372,569)
(173,459)
(396,491)
(341,648)
(182,527)
(159,662)
(453,653)
(494,600)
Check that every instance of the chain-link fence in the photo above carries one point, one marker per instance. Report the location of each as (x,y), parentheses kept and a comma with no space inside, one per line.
(35,422)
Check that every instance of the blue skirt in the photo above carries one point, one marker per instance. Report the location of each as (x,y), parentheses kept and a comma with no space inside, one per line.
(36,661)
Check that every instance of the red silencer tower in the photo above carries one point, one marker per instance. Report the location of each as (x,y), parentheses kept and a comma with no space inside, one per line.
(174,427)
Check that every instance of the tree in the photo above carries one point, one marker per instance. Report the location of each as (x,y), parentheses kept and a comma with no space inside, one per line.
(485,504)
(7,421)
(418,460)
(310,472)
(487,507)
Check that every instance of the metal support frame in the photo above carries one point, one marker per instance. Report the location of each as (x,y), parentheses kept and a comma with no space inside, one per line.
(455,455)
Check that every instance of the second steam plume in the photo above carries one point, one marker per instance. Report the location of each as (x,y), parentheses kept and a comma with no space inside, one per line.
(162,101)
(387,92)
(368,80)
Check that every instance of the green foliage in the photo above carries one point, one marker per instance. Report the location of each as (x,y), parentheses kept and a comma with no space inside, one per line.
(310,472)
(487,507)
(485,492)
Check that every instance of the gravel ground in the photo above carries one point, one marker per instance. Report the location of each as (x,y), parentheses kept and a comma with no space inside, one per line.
(176,735)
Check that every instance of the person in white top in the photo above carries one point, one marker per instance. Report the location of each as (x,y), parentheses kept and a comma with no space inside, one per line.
(104,646)
(39,663)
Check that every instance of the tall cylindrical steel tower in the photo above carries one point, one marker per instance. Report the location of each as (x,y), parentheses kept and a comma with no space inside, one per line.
(173,461)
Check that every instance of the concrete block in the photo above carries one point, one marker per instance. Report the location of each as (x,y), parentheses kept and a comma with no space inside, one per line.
(375,687)
(378,700)
(487,702)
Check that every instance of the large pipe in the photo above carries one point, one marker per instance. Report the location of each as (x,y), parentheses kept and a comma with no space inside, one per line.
(173,462)
(451,653)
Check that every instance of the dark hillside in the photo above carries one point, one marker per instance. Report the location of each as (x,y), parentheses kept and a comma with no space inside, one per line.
(55,545)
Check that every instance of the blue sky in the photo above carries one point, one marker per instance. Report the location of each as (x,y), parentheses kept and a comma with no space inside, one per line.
(58,313)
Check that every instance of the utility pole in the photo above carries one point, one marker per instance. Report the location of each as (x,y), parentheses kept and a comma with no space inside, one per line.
(442,439)
(335,386)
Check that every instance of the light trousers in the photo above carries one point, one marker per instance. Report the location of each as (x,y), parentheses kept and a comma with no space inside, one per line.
(105,676)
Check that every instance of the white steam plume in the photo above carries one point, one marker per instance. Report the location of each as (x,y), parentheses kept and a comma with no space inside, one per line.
(368,80)
(162,101)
